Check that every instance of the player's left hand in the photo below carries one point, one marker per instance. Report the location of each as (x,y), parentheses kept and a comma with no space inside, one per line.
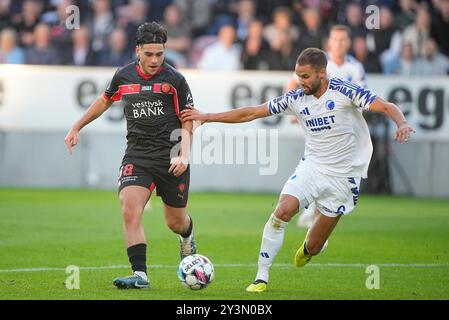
(403,133)
(178,165)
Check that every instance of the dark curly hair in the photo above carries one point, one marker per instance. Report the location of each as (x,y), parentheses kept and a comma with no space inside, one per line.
(150,32)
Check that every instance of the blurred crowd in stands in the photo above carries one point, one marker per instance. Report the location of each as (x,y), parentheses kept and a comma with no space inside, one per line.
(413,38)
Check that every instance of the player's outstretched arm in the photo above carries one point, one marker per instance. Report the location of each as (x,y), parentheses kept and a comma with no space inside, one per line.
(243,114)
(93,112)
(404,129)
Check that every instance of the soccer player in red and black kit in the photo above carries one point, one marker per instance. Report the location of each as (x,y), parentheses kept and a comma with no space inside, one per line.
(158,146)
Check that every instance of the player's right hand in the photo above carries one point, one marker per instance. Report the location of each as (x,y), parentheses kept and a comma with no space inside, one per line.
(71,139)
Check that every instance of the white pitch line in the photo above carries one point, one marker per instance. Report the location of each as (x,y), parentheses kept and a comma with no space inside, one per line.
(250,265)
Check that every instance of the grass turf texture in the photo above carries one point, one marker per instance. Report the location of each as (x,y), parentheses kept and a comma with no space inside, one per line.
(55,229)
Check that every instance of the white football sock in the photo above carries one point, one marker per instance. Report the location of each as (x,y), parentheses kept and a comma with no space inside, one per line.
(141,274)
(273,236)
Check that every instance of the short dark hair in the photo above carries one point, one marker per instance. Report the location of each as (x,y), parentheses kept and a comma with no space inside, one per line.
(314,57)
(151,32)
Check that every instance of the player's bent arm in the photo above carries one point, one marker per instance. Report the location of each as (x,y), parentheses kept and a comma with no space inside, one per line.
(93,112)
(389,109)
(392,111)
(243,114)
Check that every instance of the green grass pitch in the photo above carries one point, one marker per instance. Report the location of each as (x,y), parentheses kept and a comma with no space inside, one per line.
(406,238)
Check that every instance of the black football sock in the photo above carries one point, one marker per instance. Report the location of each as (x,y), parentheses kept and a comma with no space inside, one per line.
(137,255)
(189,231)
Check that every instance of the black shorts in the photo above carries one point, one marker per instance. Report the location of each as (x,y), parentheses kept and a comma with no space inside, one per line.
(173,190)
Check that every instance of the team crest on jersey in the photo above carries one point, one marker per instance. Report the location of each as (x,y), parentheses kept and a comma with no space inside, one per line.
(166,87)
(330,104)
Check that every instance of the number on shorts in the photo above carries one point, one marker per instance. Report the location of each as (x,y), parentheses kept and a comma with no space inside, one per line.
(128,170)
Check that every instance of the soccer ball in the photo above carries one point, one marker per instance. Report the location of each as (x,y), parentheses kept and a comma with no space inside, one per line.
(196,272)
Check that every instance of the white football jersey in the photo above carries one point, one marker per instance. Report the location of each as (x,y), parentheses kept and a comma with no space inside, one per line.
(351,70)
(336,134)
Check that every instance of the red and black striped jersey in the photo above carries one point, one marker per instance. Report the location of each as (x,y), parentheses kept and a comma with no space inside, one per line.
(152,104)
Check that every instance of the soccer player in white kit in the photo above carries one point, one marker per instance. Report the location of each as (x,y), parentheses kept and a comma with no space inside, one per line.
(337,154)
(342,65)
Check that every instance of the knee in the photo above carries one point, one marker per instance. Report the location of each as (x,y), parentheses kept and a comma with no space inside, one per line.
(131,215)
(284,212)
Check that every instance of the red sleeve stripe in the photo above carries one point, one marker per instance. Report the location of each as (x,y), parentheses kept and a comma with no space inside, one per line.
(175,100)
(123,90)
(115,97)
(105,97)
(129,89)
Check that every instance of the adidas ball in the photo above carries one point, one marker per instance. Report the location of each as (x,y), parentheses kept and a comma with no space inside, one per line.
(196,272)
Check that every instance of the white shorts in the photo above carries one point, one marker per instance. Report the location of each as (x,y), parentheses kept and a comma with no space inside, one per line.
(333,195)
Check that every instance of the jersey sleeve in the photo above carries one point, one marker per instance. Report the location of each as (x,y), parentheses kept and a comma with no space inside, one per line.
(362,97)
(185,97)
(284,103)
(359,97)
(112,91)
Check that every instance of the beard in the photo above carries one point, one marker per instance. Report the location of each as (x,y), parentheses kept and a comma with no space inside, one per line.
(314,89)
